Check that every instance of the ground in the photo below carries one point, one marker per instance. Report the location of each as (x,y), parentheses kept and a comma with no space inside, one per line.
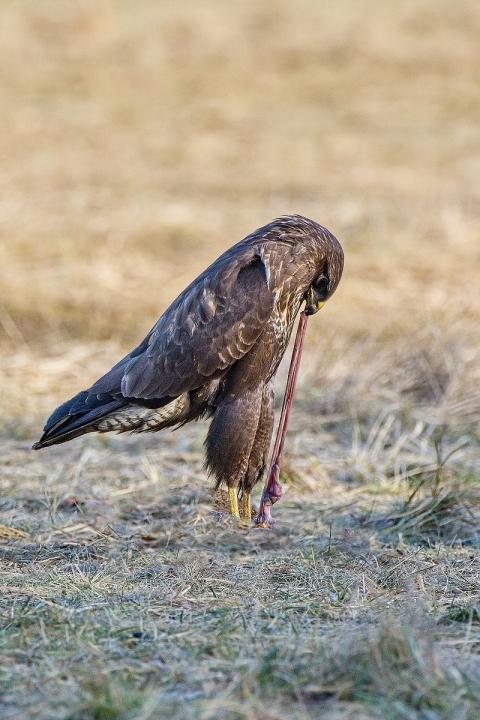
(138,141)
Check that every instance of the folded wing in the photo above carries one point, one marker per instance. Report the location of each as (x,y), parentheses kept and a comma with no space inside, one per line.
(210,326)
(213,324)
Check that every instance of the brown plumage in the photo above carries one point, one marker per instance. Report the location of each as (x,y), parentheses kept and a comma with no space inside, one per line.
(215,351)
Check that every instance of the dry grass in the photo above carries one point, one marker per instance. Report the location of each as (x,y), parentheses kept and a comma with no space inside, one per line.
(138,141)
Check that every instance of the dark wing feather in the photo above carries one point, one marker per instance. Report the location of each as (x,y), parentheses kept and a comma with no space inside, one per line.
(210,326)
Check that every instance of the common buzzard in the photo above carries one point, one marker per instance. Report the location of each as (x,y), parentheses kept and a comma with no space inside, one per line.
(214,353)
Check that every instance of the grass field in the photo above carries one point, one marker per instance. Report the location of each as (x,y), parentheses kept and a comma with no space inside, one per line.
(138,141)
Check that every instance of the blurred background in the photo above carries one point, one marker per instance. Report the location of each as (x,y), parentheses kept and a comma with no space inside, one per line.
(140,140)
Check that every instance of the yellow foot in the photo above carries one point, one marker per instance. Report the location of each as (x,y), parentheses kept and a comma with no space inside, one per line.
(232,496)
(246,506)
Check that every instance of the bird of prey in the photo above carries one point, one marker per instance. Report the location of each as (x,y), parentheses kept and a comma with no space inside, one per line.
(215,352)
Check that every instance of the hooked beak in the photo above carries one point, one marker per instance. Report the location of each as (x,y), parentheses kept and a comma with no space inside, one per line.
(313,304)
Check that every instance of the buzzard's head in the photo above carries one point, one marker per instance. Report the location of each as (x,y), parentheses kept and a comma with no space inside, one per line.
(325,284)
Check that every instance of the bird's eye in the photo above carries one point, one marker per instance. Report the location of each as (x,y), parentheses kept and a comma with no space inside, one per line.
(321,286)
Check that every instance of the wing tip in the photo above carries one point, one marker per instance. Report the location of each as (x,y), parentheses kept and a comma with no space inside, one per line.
(43,443)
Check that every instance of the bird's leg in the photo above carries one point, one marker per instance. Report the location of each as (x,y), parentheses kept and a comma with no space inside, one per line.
(232,496)
(273,489)
(246,505)
(231,436)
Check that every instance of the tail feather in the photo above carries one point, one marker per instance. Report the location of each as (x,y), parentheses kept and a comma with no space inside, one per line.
(79,415)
